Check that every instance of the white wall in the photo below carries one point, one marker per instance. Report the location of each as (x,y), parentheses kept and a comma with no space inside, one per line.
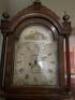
(2,6)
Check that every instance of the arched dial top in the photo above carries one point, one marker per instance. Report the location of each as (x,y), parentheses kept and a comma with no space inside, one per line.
(35,57)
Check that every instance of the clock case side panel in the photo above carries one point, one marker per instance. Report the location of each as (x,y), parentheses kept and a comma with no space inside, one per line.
(5,30)
(35,11)
(8,61)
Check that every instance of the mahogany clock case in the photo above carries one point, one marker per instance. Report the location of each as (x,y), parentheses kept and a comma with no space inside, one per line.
(34,15)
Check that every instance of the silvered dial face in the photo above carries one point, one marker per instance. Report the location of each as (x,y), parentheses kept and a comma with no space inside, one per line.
(35,57)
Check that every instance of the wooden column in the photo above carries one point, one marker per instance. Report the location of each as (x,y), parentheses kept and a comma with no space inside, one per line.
(66,33)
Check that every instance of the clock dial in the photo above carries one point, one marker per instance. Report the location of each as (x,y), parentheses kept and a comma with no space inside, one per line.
(35,57)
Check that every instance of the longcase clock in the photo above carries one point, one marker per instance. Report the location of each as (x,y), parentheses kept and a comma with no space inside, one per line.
(32,63)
